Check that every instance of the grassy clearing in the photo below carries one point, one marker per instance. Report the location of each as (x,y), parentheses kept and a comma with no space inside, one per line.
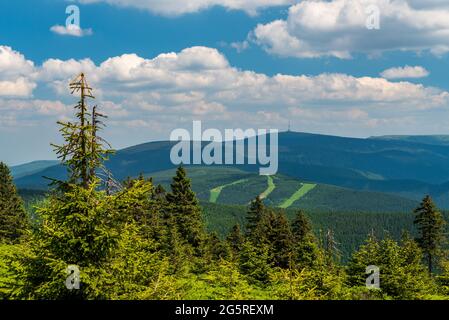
(270,189)
(215,192)
(301,192)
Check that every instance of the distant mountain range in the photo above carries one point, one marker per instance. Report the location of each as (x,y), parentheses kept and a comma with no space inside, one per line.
(31,168)
(442,140)
(406,167)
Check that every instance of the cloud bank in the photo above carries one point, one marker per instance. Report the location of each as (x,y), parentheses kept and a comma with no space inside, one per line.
(71,30)
(198,83)
(406,72)
(177,7)
(337,28)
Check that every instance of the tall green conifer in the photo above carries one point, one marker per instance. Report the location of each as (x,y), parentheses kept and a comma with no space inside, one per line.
(84,150)
(184,207)
(432,229)
(306,250)
(13,218)
(254,215)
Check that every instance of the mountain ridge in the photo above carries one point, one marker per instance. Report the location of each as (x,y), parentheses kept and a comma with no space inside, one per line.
(405,168)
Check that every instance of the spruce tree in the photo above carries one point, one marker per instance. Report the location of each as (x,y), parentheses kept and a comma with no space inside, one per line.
(143,206)
(254,215)
(368,254)
(80,225)
(432,228)
(84,150)
(301,226)
(306,250)
(175,247)
(184,206)
(159,192)
(215,248)
(254,262)
(279,238)
(235,239)
(402,274)
(417,279)
(13,218)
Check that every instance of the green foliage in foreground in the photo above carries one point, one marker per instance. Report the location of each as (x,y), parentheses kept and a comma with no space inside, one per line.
(138,244)
(149,258)
(13,222)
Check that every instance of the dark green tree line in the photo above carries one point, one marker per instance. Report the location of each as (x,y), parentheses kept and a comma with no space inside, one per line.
(432,232)
(13,218)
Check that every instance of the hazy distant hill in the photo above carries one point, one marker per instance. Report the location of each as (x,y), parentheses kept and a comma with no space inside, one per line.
(397,166)
(436,139)
(31,168)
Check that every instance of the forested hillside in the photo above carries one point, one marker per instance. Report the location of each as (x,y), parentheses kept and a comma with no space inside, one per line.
(402,167)
(350,228)
(227,185)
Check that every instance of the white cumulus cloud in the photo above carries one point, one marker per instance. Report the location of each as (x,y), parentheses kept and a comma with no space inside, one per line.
(406,72)
(198,83)
(338,28)
(71,30)
(17,74)
(21,87)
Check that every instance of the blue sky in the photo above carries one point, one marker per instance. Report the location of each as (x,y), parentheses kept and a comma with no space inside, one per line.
(158,65)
